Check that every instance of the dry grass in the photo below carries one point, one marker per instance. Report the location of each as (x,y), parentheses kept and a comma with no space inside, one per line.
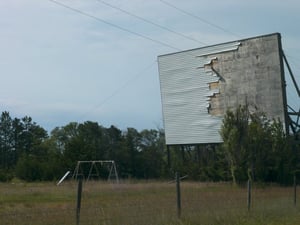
(145,203)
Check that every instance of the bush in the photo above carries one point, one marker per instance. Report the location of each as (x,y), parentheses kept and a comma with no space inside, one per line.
(29,168)
(5,176)
(32,168)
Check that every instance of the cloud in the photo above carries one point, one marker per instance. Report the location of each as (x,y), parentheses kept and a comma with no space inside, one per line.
(57,65)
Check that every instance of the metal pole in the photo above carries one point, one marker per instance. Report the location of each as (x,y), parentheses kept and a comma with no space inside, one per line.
(79,191)
(116,172)
(178,194)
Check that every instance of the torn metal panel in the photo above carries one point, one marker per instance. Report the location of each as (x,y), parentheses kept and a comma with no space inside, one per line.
(199,85)
(185,88)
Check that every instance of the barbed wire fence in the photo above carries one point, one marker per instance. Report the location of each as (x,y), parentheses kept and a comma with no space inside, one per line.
(151,203)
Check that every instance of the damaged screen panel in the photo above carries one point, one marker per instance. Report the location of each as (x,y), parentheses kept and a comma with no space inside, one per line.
(199,85)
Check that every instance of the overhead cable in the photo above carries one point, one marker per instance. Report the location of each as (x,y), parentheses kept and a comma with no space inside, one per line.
(198,18)
(114,25)
(150,22)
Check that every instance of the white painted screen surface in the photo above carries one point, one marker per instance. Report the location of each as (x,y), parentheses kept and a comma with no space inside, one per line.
(199,85)
(184,90)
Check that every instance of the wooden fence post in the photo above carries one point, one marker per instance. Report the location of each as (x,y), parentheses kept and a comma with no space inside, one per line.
(79,191)
(249,195)
(295,190)
(178,194)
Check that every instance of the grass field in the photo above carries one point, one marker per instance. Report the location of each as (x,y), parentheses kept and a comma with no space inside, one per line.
(141,202)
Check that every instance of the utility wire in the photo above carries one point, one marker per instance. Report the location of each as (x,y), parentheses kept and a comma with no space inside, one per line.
(198,18)
(150,22)
(125,84)
(114,25)
(123,29)
(140,35)
(203,20)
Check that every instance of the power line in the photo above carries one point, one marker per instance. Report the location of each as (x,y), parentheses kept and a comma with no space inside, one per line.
(114,25)
(150,22)
(139,74)
(205,21)
(123,29)
(137,34)
(208,22)
(198,18)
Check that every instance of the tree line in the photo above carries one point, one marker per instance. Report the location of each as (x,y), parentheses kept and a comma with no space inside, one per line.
(254,147)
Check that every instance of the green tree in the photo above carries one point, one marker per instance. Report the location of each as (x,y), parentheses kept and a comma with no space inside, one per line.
(130,150)
(152,164)
(7,150)
(256,147)
(234,132)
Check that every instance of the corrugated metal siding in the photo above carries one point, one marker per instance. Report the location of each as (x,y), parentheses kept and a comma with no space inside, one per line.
(184,90)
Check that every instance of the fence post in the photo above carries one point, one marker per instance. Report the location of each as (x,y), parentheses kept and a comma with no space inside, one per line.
(79,191)
(249,195)
(178,194)
(295,190)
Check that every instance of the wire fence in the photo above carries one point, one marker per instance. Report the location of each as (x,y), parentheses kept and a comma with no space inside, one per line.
(144,203)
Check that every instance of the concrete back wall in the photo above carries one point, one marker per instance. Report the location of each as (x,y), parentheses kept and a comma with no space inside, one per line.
(199,85)
(252,74)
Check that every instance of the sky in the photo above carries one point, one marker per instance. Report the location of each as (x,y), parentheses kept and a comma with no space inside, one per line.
(65,61)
